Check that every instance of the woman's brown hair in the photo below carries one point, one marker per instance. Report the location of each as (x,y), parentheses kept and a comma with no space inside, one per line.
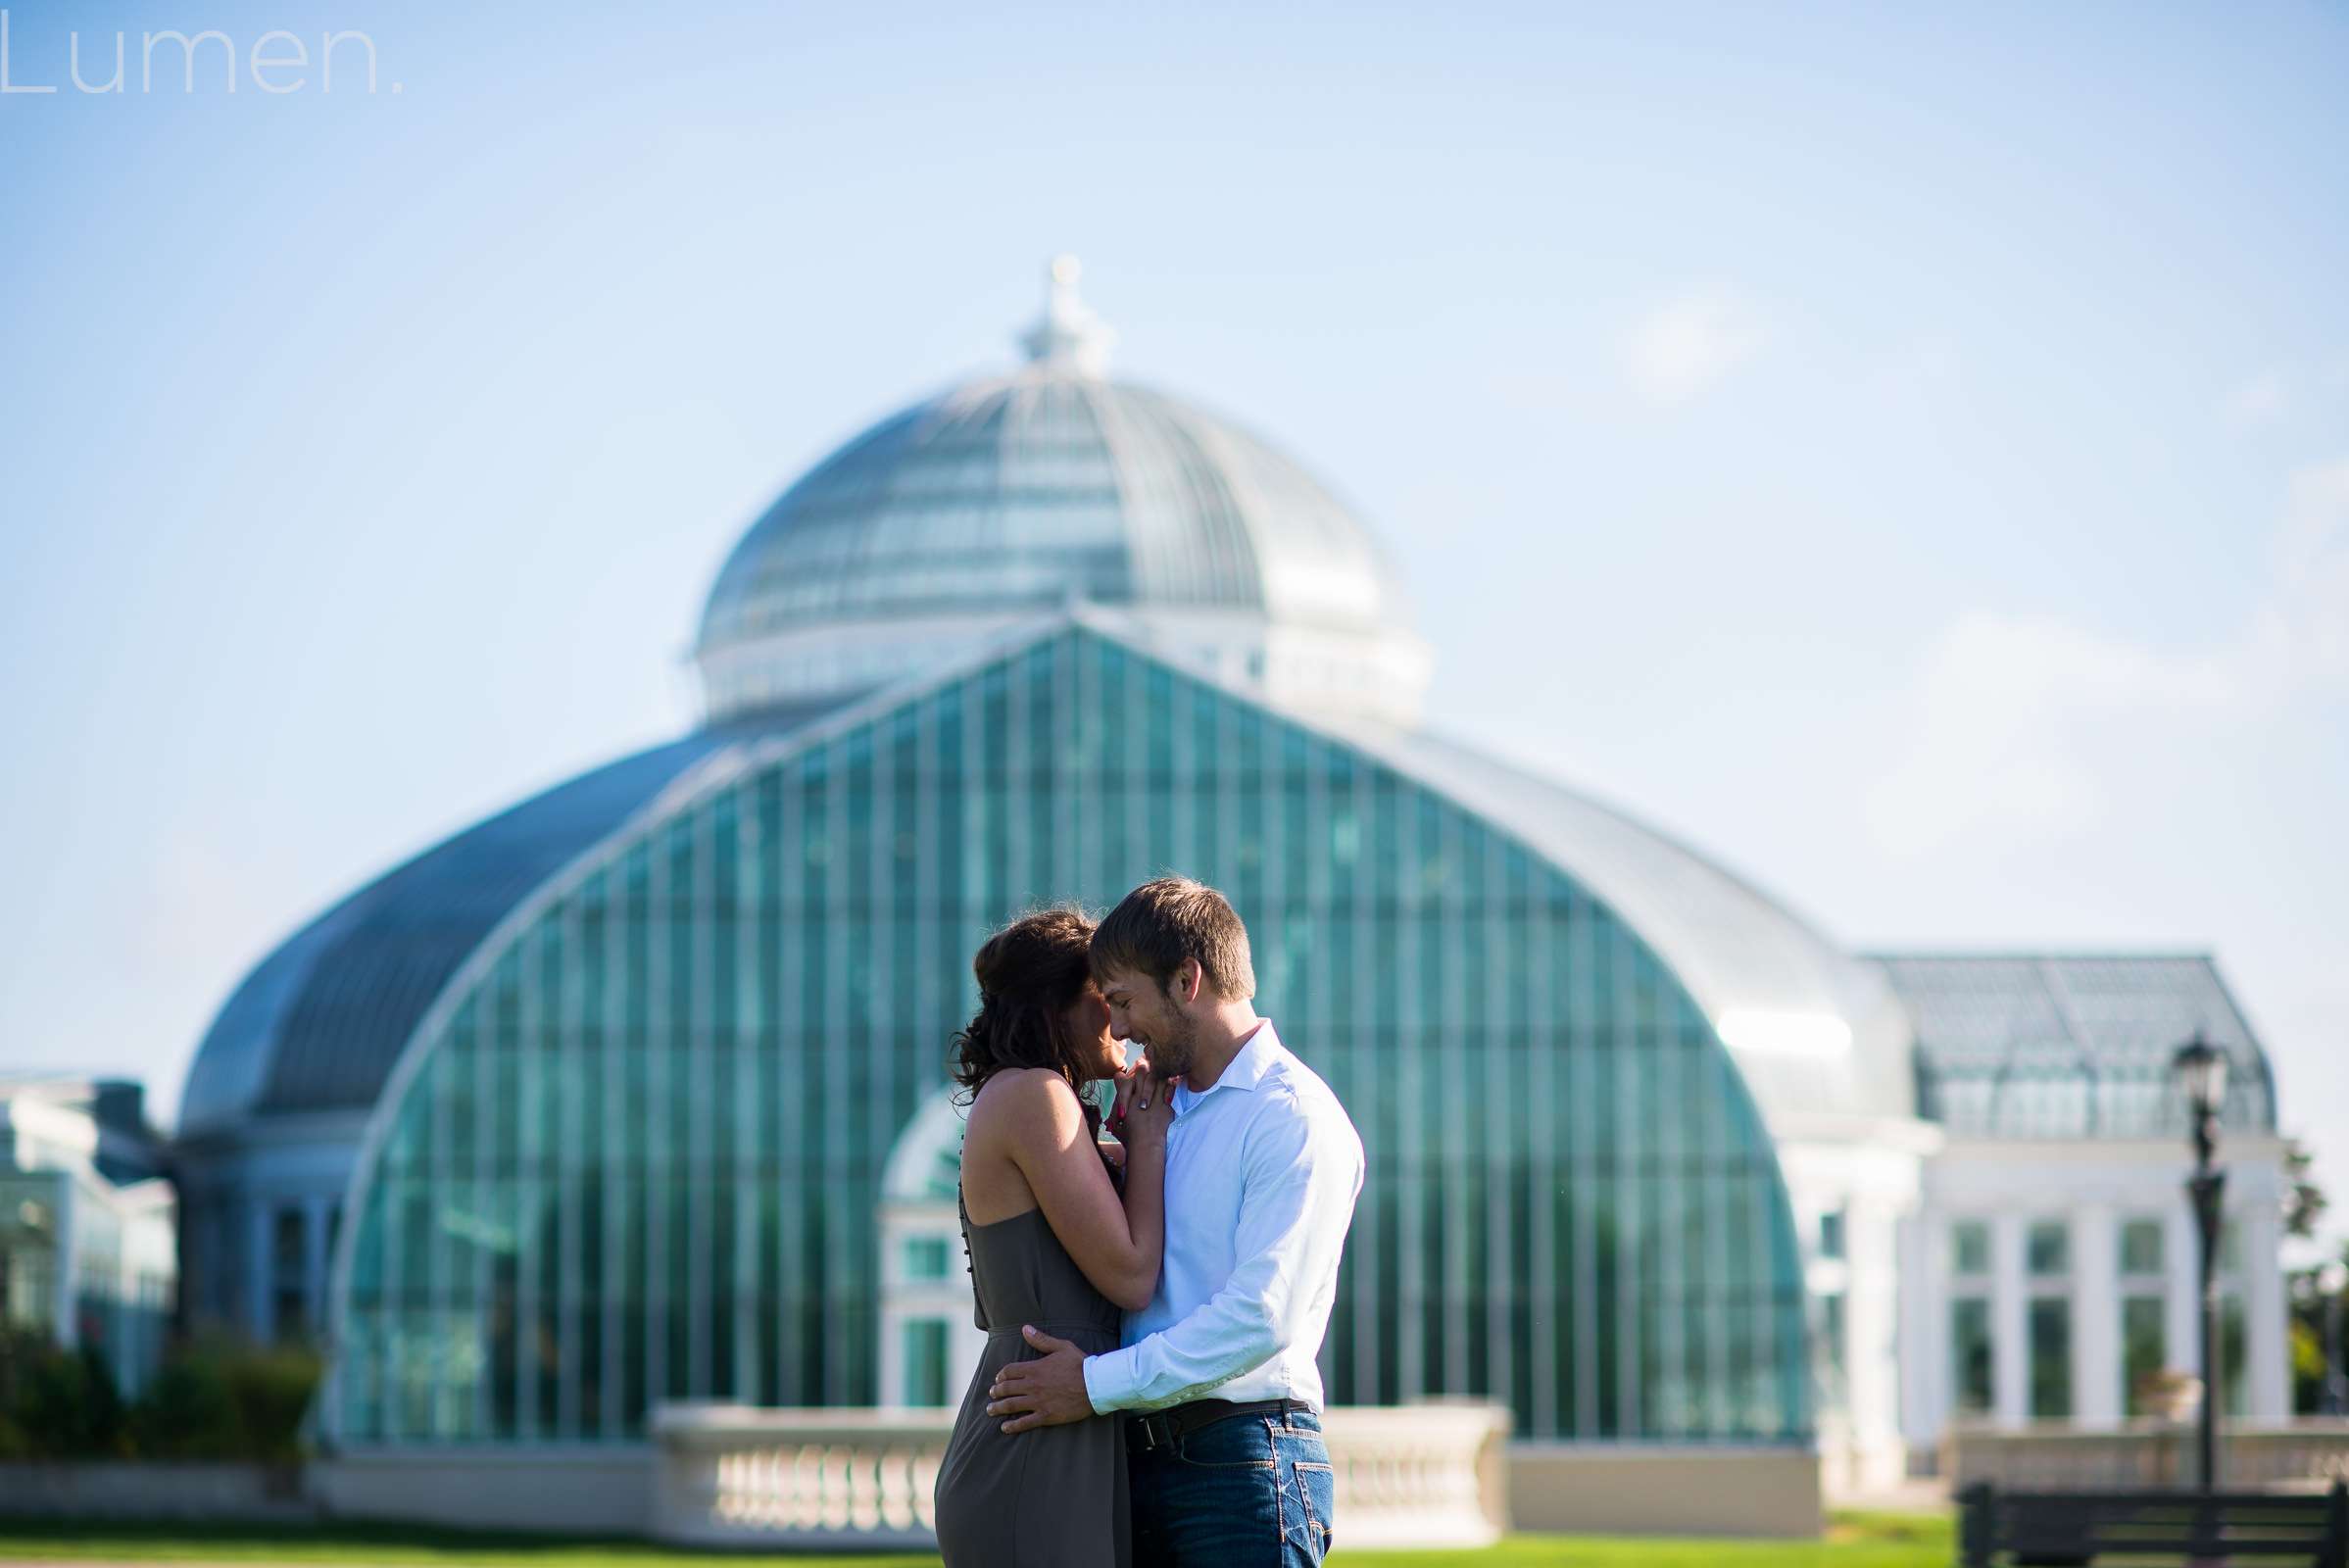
(1030,974)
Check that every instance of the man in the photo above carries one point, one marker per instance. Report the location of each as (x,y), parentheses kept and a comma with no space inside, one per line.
(1223,1447)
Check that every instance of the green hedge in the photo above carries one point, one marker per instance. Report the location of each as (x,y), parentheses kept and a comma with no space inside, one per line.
(213,1399)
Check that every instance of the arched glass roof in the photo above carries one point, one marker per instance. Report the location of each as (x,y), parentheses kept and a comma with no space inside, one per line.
(2073,1046)
(1820,1037)
(318,1025)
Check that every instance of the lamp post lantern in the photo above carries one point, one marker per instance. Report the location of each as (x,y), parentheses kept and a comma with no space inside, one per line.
(2201,1071)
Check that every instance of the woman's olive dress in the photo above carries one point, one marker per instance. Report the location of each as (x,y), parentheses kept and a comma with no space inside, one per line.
(1049,1497)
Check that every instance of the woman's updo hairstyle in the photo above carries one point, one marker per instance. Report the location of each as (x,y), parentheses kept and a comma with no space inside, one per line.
(1030,974)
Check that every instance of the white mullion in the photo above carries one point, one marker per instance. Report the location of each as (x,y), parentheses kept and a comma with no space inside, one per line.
(1630,1417)
(571,1053)
(527,1187)
(1182,837)
(618,1175)
(701,1066)
(882,1119)
(657,1049)
(791,1077)
(1671,1214)
(750,1034)
(1581,1071)
(1137,771)
(837,1110)
(929,916)
(1720,1411)
(1450,901)
(485,1181)
(1541,1174)
(1019,891)
(1410,1238)
(1500,1081)
(1091,874)
(1371,1308)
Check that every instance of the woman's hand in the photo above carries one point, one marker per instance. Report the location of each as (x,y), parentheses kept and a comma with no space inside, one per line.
(1143,1108)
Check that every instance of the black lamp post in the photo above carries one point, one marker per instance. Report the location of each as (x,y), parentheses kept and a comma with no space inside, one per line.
(2332,1279)
(2201,1071)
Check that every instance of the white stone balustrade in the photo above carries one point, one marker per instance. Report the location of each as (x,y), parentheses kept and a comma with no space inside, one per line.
(731,1475)
(1419,1475)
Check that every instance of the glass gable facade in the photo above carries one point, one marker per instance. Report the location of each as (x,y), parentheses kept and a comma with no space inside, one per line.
(2073,1046)
(636,1150)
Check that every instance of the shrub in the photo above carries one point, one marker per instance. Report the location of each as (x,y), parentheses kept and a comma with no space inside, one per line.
(224,1400)
(212,1399)
(57,1403)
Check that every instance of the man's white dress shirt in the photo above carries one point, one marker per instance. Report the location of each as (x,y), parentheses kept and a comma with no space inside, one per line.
(1262,1170)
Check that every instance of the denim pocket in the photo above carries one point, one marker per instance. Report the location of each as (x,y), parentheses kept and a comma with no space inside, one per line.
(1236,1444)
(1317,1493)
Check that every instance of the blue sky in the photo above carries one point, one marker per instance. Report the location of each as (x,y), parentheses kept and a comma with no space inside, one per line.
(1904,451)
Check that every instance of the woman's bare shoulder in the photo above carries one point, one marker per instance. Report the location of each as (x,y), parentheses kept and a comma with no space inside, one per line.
(1019,1098)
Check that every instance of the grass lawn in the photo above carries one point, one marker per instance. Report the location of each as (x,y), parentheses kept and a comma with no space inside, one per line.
(1855,1541)
(1852,1540)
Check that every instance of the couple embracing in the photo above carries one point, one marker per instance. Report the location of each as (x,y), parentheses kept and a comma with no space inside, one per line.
(1147,1398)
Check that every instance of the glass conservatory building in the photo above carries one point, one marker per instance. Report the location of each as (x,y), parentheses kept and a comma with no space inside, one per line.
(633,1092)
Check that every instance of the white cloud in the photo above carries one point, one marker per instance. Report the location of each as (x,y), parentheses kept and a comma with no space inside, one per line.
(1997,737)
(1982,742)
(2304,626)
(2263,396)
(1688,344)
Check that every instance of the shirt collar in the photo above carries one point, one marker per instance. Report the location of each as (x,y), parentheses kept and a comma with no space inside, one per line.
(1257,1054)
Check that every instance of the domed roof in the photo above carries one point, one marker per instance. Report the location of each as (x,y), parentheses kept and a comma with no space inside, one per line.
(317,1025)
(1013,495)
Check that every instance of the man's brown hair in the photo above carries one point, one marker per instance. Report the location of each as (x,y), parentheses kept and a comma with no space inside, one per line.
(1161,923)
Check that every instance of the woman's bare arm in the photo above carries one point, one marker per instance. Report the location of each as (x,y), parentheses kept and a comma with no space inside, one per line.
(1030,1119)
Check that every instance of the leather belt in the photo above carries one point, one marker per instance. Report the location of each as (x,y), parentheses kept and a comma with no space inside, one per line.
(1162,1429)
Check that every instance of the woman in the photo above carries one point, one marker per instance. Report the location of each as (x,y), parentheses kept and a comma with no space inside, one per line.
(1057,1240)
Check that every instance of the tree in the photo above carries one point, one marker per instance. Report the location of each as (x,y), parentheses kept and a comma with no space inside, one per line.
(2304,1202)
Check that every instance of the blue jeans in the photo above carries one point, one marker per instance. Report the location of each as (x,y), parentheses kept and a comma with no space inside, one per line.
(1248,1491)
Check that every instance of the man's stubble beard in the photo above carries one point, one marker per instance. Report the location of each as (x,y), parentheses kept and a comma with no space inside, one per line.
(1172,1056)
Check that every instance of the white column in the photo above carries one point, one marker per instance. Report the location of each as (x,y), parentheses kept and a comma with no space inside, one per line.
(1869,1302)
(2096,1402)
(2182,1243)
(2265,1342)
(895,1288)
(2010,1337)
(65,1279)
(1924,1347)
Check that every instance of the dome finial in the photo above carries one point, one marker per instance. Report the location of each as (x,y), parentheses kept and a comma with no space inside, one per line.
(1070,337)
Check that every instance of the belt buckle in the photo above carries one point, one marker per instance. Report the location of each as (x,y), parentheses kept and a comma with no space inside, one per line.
(1157,1432)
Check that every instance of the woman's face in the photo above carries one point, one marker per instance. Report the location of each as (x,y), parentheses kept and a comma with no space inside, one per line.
(1089,1025)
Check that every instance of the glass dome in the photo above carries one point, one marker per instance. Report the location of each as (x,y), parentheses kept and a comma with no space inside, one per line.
(920,541)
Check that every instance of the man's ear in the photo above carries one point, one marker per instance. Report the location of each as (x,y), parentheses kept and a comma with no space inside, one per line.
(1195,980)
